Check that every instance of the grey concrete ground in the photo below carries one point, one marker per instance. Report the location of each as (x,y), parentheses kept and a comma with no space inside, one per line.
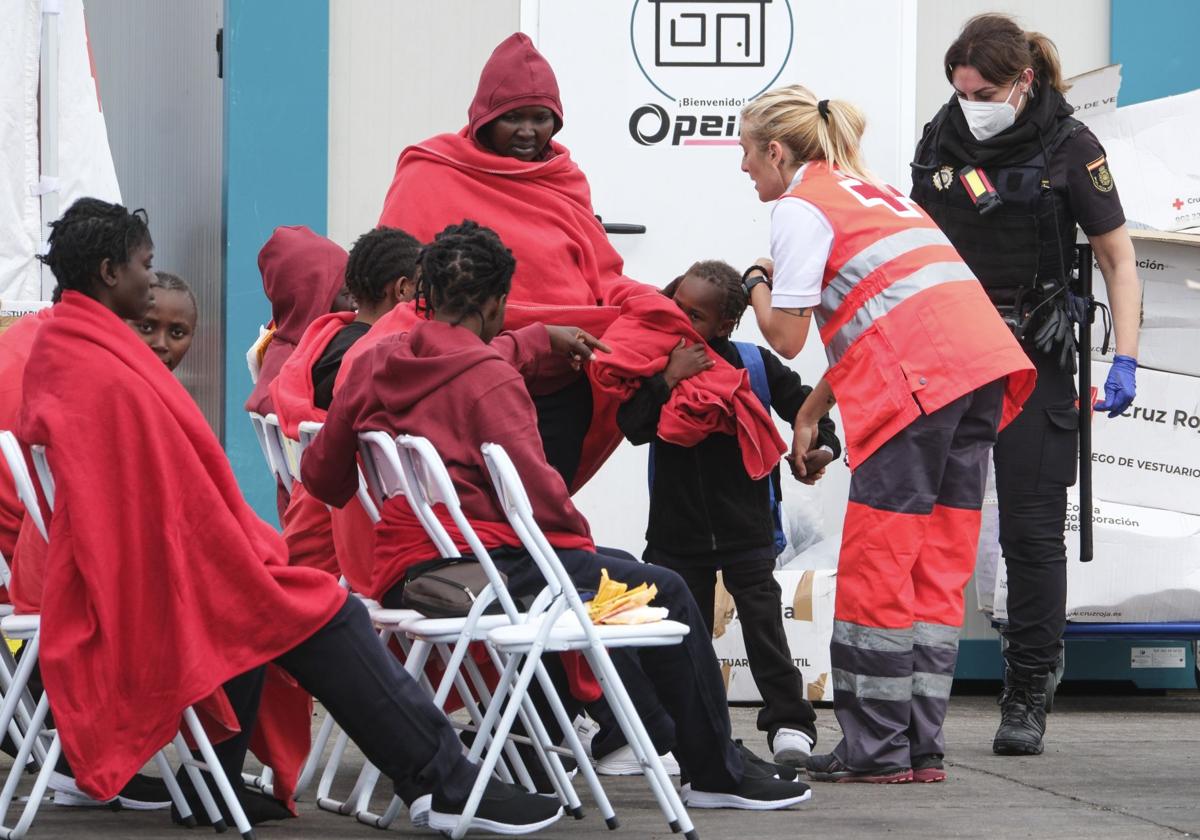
(1115,767)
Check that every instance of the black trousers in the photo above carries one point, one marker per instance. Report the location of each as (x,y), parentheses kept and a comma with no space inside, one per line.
(750,579)
(563,419)
(372,698)
(1036,458)
(685,678)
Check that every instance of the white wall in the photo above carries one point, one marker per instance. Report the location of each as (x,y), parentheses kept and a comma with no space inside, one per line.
(398,72)
(1080,29)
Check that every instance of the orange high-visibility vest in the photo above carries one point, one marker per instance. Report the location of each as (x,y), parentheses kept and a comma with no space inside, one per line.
(907,327)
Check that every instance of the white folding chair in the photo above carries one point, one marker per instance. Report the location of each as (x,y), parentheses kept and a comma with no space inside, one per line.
(390,470)
(28,629)
(266,429)
(429,484)
(13,456)
(559,623)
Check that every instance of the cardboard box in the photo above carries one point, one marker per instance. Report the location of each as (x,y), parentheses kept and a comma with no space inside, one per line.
(807,600)
(1146,566)
(1169,268)
(1095,92)
(11,310)
(1146,513)
(1150,456)
(1150,155)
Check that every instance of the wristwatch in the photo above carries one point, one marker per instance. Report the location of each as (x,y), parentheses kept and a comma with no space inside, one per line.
(754,275)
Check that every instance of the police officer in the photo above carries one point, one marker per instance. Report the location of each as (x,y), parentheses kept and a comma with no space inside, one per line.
(1008,173)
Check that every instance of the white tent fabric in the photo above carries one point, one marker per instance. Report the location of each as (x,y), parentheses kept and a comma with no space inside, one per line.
(20,209)
(84,163)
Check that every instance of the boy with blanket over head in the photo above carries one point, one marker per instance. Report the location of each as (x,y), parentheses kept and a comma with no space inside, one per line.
(446,380)
(707,514)
(164,549)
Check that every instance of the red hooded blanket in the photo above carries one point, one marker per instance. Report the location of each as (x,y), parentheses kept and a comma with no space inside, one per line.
(302,274)
(151,540)
(567,271)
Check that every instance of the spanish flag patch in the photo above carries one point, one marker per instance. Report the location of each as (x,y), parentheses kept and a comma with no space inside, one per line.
(1101,177)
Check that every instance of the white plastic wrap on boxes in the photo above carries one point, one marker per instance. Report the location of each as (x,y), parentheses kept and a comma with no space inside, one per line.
(807,603)
(1145,513)
(1168,265)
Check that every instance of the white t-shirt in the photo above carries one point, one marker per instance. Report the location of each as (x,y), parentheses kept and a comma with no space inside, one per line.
(801,239)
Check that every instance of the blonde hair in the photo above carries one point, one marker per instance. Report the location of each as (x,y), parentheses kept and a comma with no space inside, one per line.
(1000,49)
(793,117)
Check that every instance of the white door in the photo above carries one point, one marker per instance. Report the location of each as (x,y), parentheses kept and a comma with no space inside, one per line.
(658,142)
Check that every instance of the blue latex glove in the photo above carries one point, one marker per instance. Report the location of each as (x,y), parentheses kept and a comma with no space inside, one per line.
(1121,386)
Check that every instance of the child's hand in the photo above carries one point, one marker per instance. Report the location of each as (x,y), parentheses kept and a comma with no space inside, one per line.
(815,462)
(767,265)
(574,343)
(686,362)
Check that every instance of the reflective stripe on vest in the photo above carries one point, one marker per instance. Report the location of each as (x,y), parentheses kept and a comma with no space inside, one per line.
(882,302)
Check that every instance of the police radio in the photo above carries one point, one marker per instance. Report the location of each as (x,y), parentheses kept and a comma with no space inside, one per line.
(979,188)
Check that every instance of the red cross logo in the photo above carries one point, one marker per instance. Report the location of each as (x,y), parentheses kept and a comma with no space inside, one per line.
(872,196)
(1177,204)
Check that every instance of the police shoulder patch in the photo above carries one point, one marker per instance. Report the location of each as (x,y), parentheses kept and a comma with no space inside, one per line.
(1101,177)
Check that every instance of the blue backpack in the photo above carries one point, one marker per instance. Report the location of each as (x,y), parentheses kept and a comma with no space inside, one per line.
(752,360)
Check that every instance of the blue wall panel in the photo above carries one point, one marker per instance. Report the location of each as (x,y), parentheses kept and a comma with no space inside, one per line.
(1156,43)
(276,173)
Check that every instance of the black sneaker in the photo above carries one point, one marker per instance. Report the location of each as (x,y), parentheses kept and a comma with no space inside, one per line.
(829,768)
(541,779)
(759,790)
(928,768)
(257,806)
(503,809)
(1022,715)
(787,774)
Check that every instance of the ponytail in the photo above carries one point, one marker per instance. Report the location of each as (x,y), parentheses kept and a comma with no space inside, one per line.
(828,130)
(1047,68)
(1000,49)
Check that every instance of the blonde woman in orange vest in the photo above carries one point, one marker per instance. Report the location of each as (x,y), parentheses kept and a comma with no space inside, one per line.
(925,374)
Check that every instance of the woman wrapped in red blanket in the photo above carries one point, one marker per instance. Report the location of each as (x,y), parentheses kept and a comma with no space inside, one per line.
(506,172)
(163,549)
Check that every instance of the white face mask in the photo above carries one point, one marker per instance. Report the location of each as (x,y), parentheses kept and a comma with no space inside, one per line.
(987,119)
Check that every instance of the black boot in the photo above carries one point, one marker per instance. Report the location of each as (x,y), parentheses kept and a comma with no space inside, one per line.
(1022,714)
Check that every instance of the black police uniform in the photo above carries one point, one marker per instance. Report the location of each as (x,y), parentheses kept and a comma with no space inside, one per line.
(1056,177)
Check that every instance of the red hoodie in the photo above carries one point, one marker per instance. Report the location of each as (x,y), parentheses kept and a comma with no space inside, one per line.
(516,76)
(302,274)
(443,383)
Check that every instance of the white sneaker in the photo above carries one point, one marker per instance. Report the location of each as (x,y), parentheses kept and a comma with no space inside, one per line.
(623,762)
(142,793)
(586,729)
(791,747)
(418,812)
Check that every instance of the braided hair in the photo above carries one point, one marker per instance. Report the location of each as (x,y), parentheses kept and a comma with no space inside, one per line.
(379,257)
(169,282)
(90,232)
(727,278)
(465,266)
